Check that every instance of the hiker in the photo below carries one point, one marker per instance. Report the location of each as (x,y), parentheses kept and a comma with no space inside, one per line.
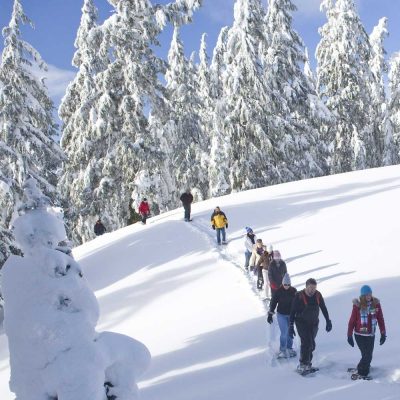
(283,298)
(366,314)
(262,273)
(99,228)
(249,242)
(187,200)
(144,210)
(305,312)
(277,269)
(258,250)
(219,223)
(270,250)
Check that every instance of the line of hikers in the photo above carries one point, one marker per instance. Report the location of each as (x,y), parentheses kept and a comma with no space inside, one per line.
(301,308)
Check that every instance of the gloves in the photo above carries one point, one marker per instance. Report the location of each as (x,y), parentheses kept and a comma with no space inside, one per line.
(269,319)
(292,333)
(350,341)
(328,325)
(226,226)
(213,227)
(382,340)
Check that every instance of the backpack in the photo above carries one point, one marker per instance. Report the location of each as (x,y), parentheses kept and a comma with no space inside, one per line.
(304,297)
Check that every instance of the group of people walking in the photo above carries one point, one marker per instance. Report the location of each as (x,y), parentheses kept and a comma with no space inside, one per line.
(300,309)
(294,308)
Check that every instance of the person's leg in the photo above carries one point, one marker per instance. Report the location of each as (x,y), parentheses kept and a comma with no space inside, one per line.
(305,332)
(283,322)
(314,331)
(260,279)
(266,283)
(223,234)
(289,340)
(366,346)
(247,256)
(219,235)
(187,212)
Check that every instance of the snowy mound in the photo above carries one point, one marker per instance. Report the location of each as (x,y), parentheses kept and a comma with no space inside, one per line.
(50,319)
(168,285)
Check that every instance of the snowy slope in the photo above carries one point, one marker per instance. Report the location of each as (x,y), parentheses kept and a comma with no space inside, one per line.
(167,285)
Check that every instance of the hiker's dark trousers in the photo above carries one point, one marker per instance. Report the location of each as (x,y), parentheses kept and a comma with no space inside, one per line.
(307,332)
(366,346)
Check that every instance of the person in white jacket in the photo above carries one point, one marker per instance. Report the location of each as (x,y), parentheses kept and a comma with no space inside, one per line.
(249,242)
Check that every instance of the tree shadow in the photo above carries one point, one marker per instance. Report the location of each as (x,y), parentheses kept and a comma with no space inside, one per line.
(313,270)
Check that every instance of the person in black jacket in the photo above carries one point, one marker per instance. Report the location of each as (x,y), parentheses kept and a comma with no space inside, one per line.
(305,312)
(283,297)
(99,228)
(187,200)
(276,271)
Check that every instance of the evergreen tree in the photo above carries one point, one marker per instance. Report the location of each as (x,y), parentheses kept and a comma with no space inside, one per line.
(81,173)
(188,136)
(64,356)
(394,103)
(382,125)
(251,160)
(205,111)
(295,114)
(117,155)
(344,76)
(218,170)
(27,128)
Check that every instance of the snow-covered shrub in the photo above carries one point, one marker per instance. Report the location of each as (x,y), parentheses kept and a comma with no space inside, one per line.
(50,319)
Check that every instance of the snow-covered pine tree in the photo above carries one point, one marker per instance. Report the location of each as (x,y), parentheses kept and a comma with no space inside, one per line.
(295,113)
(81,173)
(394,102)
(63,357)
(206,110)
(344,77)
(125,151)
(218,170)
(27,127)
(382,125)
(188,139)
(250,151)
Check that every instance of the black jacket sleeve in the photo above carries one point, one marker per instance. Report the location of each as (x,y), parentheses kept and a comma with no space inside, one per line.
(296,307)
(323,308)
(274,301)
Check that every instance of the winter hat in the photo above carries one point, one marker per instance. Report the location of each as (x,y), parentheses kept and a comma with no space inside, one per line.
(248,229)
(365,290)
(286,279)
(277,255)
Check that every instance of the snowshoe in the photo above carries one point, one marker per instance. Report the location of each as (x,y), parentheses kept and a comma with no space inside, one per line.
(305,370)
(309,371)
(353,370)
(291,353)
(224,242)
(357,376)
(281,354)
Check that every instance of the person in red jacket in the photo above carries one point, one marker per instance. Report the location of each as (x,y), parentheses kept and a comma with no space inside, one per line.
(366,314)
(144,210)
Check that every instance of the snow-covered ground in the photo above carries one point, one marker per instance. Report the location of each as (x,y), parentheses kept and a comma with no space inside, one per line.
(169,286)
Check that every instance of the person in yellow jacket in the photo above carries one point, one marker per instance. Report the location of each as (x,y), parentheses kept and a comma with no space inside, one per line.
(219,222)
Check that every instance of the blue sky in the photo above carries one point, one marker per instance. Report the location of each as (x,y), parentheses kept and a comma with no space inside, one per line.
(56,23)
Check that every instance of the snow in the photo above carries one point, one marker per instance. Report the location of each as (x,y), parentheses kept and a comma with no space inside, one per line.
(50,319)
(170,287)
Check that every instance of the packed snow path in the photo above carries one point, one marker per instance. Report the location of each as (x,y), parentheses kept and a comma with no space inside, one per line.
(168,285)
